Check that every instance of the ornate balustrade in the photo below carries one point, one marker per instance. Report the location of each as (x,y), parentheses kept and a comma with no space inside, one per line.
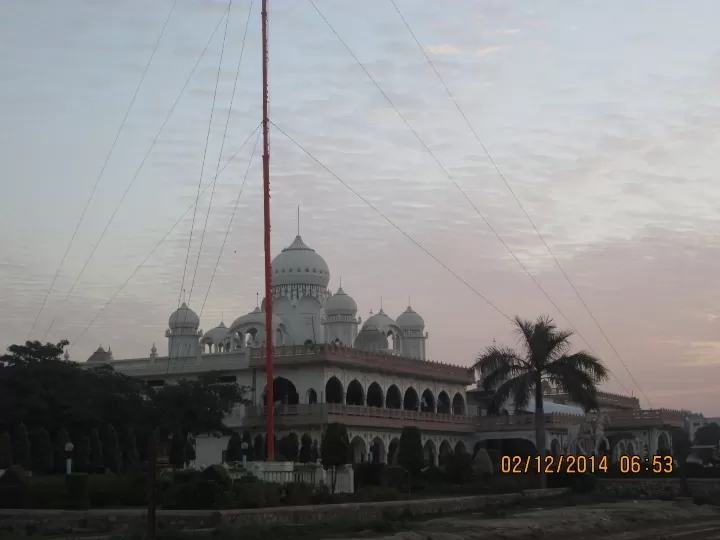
(646,418)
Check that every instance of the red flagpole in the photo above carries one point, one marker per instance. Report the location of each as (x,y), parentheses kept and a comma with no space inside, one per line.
(268,265)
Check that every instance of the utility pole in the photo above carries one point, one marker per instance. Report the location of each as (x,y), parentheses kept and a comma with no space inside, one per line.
(268,265)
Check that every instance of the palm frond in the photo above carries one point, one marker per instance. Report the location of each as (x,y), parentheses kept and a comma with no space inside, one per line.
(578,375)
(496,365)
(518,389)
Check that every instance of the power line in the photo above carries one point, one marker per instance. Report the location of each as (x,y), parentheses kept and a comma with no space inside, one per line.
(162,240)
(202,170)
(222,147)
(227,232)
(517,200)
(137,173)
(450,177)
(397,227)
(102,169)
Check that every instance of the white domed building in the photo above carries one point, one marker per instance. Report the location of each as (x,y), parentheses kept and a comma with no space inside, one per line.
(329,366)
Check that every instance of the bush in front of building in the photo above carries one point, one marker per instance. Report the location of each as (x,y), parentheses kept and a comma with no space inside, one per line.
(14,488)
(77,496)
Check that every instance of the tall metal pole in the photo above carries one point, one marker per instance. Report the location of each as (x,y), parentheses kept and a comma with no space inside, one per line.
(268,267)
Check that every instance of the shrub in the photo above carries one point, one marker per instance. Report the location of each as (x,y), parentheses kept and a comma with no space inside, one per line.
(97,460)
(369,474)
(460,468)
(584,483)
(5,451)
(111,449)
(432,475)
(77,492)
(218,474)
(395,476)
(186,476)
(43,458)
(109,490)
(202,495)
(81,454)
(21,448)
(305,449)
(234,448)
(130,457)
(298,494)
(257,495)
(410,454)
(377,494)
(48,492)
(335,449)
(15,488)
(61,439)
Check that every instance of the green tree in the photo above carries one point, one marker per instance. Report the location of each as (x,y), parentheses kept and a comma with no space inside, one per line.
(111,449)
(234,448)
(314,452)
(459,468)
(42,455)
(410,454)
(61,439)
(6,460)
(130,456)
(335,449)
(545,356)
(305,448)
(81,454)
(709,434)
(97,459)
(178,451)
(21,448)
(289,447)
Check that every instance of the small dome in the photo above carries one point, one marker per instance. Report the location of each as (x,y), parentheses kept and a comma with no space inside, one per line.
(371,338)
(184,317)
(410,320)
(216,335)
(380,321)
(340,304)
(255,317)
(101,355)
(299,264)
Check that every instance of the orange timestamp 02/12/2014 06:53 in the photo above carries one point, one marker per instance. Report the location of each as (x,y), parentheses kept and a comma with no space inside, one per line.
(585,464)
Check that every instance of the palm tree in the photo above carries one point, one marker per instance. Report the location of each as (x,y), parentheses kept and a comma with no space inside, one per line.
(545,356)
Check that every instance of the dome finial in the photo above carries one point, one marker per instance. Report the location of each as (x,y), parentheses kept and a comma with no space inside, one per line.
(381,302)
(298,220)
(257,300)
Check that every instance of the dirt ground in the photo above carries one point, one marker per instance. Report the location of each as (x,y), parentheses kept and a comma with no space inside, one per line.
(569,522)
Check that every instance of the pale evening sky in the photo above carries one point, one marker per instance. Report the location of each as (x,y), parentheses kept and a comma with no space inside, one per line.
(603,116)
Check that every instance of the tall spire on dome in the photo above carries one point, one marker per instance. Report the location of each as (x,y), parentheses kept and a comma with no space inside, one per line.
(298,220)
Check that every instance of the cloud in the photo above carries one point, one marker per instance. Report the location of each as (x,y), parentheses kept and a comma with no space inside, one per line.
(444,49)
(510,31)
(487,50)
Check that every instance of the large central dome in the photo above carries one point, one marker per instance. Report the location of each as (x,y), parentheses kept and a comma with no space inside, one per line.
(298,264)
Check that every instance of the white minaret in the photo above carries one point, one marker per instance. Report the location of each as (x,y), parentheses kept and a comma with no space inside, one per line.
(414,335)
(183,334)
(340,321)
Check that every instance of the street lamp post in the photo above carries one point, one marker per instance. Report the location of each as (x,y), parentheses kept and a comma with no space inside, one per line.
(68,457)
(244,447)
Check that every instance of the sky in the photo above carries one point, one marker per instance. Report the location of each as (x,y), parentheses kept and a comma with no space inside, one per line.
(603,117)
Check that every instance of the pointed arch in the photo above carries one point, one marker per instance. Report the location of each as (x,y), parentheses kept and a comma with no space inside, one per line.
(393,449)
(427,401)
(355,394)
(334,391)
(443,403)
(410,399)
(375,397)
(393,398)
(458,404)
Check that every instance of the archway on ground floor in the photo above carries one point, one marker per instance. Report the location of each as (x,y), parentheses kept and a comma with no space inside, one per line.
(445,453)
(377,450)
(664,448)
(555,448)
(334,391)
(458,404)
(460,447)
(443,403)
(375,396)
(358,450)
(355,394)
(427,401)
(393,450)
(410,400)
(429,453)
(312,397)
(284,392)
(497,448)
(393,399)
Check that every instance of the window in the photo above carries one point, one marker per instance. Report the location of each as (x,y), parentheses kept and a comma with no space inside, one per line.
(227,379)
(156,384)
